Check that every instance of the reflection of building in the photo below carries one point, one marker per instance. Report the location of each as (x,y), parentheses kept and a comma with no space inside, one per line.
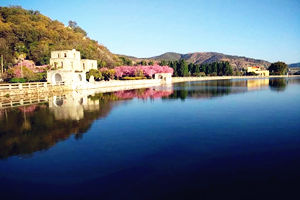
(66,66)
(257,84)
(258,70)
(71,106)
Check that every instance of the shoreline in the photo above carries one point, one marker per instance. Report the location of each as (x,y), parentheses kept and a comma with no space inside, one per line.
(208,78)
(113,85)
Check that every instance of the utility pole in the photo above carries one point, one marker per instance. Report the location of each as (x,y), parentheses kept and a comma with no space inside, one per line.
(2,64)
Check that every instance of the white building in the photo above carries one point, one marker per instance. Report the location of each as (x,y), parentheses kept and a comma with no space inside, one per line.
(66,66)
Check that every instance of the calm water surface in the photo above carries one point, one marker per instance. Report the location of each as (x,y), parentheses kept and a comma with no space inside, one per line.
(235,139)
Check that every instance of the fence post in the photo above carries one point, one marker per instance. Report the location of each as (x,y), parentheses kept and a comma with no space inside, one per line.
(20,86)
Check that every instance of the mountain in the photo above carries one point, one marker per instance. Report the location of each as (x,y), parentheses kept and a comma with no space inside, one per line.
(31,35)
(294,65)
(169,56)
(209,57)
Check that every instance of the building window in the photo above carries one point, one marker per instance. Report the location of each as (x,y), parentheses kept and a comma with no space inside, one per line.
(65,55)
(55,65)
(58,55)
(62,64)
(83,66)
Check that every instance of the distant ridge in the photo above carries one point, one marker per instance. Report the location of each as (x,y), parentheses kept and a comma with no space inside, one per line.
(295,65)
(209,57)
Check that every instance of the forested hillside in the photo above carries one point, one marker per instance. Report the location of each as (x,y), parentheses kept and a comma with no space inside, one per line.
(31,35)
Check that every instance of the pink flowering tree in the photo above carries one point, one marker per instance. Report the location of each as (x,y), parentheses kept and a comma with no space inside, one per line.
(147,71)
(28,70)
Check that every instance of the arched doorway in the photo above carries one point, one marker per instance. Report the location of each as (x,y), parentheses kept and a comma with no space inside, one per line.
(58,101)
(57,78)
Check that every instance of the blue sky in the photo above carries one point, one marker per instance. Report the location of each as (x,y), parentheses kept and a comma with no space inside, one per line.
(264,29)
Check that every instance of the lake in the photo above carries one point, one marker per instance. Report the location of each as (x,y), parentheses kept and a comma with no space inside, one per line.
(229,139)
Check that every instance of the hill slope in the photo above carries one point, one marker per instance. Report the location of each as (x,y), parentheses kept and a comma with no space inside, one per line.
(27,33)
(209,57)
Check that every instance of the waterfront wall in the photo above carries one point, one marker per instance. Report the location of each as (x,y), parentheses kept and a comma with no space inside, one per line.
(106,86)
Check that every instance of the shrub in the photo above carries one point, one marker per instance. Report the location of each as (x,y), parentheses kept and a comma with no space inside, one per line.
(213,74)
(38,77)
(199,74)
(17,80)
(108,74)
(96,73)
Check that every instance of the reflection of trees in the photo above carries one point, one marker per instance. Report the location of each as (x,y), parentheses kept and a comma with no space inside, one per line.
(24,133)
(207,89)
(278,84)
(143,93)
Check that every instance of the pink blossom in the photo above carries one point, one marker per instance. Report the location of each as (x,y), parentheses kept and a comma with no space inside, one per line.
(148,71)
(30,65)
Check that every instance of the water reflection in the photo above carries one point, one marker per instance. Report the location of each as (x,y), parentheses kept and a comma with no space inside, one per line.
(210,89)
(278,84)
(27,129)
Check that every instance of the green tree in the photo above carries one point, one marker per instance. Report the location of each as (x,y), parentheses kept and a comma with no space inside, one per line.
(278,68)
(183,69)
(163,63)
(196,70)
(73,25)
(191,68)
(143,62)
(96,73)
(174,66)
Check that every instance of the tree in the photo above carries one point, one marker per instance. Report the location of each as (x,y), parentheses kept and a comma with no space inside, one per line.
(278,68)
(73,25)
(163,63)
(174,66)
(96,73)
(196,70)
(191,68)
(143,62)
(183,69)
(125,61)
